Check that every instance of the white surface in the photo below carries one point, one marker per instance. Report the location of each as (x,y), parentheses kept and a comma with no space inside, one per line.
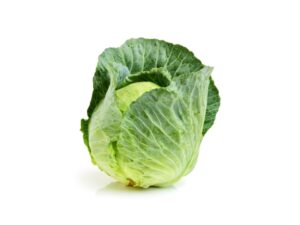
(248,171)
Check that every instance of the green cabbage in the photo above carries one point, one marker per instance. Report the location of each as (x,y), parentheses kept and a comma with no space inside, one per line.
(151,105)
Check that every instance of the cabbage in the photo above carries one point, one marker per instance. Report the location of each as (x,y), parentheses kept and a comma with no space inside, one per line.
(151,105)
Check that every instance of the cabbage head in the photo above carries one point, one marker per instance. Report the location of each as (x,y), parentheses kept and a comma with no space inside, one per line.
(152,103)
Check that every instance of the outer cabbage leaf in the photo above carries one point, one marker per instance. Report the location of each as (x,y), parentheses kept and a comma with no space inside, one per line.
(139,56)
(161,132)
(103,131)
(213,105)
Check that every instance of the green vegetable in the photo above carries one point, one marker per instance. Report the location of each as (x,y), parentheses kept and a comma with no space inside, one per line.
(151,106)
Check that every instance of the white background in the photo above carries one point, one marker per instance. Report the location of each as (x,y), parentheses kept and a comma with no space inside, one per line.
(249,166)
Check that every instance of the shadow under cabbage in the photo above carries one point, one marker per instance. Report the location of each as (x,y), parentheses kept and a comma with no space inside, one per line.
(117,187)
(103,184)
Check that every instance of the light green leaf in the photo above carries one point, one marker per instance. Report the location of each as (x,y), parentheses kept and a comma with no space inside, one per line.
(103,131)
(161,131)
(125,96)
